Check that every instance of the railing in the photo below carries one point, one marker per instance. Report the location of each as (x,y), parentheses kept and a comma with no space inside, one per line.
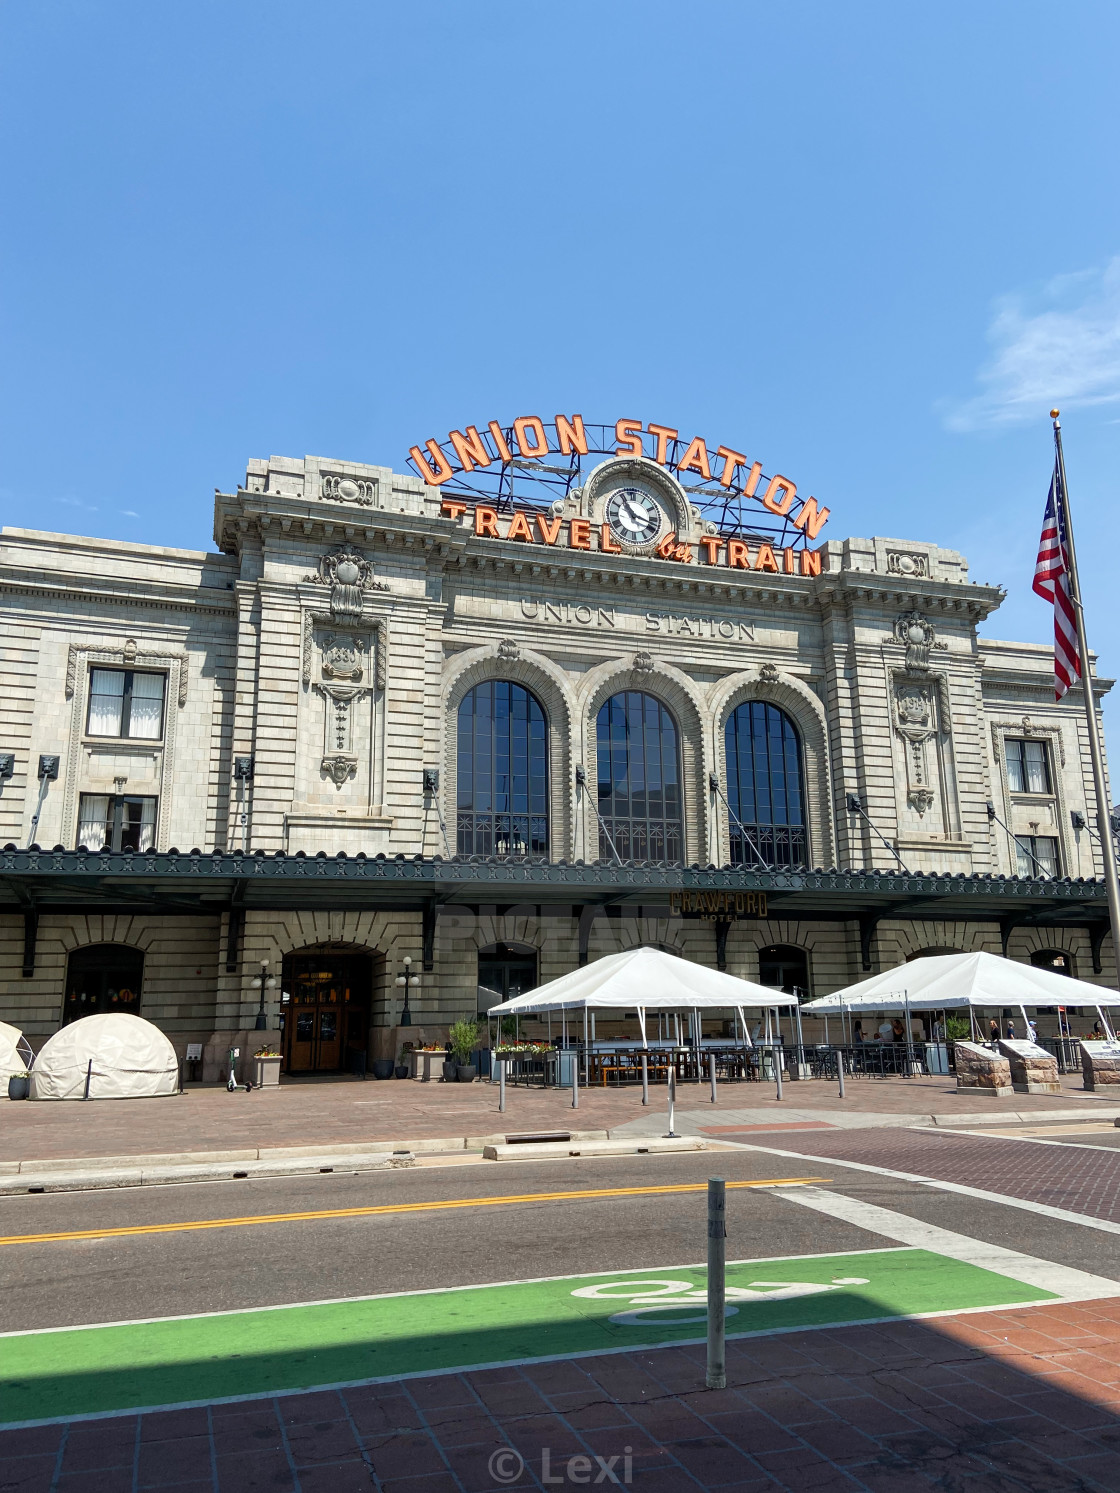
(1067,1050)
(501,834)
(777,845)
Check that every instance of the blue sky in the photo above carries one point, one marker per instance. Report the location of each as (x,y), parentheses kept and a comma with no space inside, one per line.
(868,244)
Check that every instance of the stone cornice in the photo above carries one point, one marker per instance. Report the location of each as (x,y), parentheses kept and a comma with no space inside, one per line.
(167,596)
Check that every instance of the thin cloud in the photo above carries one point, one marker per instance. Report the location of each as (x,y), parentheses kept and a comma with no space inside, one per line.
(1064,349)
(128,512)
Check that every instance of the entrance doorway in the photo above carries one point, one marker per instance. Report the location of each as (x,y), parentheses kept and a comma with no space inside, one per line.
(504,971)
(102,977)
(326,1009)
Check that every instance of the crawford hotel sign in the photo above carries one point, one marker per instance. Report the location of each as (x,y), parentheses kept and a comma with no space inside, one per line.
(653,493)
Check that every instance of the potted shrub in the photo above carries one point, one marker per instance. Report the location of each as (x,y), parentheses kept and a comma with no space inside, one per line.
(464,1039)
(19,1085)
(266,1068)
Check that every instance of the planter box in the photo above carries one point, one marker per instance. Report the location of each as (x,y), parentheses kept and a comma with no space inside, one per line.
(266,1073)
(420,1064)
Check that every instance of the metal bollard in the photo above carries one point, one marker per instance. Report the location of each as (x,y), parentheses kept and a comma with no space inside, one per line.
(717,1295)
(777,1071)
(575,1080)
(672,1101)
(645,1079)
(712,1074)
(501,1087)
(840,1071)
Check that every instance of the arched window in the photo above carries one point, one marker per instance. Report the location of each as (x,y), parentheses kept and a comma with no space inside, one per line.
(103,977)
(639,780)
(1055,960)
(764,787)
(502,779)
(784,967)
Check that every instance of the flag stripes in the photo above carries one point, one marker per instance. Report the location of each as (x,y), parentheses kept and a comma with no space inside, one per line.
(1051,582)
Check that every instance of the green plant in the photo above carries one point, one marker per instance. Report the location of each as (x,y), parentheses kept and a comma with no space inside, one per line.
(958,1028)
(463,1038)
(508,1026)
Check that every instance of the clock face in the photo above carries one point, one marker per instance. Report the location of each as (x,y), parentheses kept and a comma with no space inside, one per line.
(634,516)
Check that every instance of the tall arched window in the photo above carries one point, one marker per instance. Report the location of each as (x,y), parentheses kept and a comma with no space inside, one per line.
(639,780)
(764,787)
(502,780)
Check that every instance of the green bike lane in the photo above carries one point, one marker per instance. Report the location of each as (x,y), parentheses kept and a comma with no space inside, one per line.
(58,1374)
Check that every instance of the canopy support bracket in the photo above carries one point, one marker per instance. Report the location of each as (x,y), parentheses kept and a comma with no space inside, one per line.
(1098,932)
(867,925)
(30,941)
(428,936)
(722,929)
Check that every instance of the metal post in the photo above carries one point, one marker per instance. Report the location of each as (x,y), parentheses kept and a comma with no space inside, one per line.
(672,1100)
(501,1086)
(89,1075)
(776,1056)
(1104,805)
(712,1074)
(840,1069)
(645,1078)
(575,1080)
(717,1271)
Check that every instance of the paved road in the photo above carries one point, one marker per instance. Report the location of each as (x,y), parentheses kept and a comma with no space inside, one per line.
(156,1274)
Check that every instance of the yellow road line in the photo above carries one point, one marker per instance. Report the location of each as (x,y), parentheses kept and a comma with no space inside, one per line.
(490,1202)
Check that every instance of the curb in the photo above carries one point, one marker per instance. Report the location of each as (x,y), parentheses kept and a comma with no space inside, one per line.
(97,1173)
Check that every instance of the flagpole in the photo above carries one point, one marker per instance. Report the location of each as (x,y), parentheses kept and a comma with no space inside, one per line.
(1104,808)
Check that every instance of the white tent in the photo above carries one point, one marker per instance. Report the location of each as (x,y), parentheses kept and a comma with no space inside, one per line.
(12,1058)
(951,982)
(120,1056)
(645,979)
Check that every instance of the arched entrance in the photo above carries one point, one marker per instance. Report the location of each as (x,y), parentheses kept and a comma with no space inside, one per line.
(504,971)
(102,977)
(326,1000)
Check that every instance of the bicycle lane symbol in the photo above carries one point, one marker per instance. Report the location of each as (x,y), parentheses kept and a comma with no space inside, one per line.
(651,1300)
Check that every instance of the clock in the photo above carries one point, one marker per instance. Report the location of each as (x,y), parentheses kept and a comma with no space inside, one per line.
(634,516)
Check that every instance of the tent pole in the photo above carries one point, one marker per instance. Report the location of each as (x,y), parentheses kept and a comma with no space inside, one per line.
(1105,1023)
(1026,1024)
(586,1053)
(800,1037)
(642,1024)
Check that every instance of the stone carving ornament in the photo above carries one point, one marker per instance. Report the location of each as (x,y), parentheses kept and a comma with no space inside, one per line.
(349,575)
(349,489)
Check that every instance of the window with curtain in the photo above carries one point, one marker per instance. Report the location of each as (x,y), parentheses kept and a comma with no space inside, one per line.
(116,822)
(1028,768)
(502,775)
(1036,855)
(639,797)
(764,787)
(124,702)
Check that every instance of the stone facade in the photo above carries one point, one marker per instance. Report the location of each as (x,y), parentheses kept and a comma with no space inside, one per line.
(326,647)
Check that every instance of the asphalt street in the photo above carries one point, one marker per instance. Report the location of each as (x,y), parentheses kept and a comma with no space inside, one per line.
(253,1264)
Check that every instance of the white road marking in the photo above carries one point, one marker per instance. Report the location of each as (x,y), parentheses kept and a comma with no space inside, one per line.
(1064,1215)
(1037,1140)
(1044,1275)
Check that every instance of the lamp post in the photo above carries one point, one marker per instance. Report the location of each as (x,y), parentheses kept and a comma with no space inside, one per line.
(406,981)
(262,982)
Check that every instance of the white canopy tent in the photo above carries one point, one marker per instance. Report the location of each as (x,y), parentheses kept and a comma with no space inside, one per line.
(111,1056)
(644,980)
(953,982)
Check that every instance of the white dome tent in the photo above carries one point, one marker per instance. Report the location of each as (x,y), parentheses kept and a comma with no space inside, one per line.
(15,1054)
(111,1056)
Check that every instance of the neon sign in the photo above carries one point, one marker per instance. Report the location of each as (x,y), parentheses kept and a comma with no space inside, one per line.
(484,462)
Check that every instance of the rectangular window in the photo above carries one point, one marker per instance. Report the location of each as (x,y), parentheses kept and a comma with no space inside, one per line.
(125,703)
(116,822)
(1028,769)
(1036,855)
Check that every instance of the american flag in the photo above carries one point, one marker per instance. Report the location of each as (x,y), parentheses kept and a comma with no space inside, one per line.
(1051,582)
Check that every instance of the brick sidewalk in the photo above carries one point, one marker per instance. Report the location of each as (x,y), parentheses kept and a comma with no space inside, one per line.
(1014,1400)
(347,1110)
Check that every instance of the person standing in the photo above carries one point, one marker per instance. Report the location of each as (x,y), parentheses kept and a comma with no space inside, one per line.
(993,1031)
(1011,1031)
